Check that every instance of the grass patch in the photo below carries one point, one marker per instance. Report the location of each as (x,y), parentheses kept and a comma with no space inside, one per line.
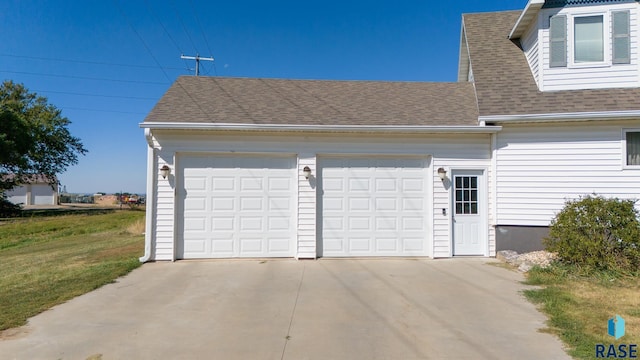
(46,261)
(579,305)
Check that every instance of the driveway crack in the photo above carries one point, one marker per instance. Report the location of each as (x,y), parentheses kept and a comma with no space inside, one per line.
(293,311)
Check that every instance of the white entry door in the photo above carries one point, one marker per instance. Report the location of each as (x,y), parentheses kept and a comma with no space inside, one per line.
(373,207)
(469,225)
(236,206)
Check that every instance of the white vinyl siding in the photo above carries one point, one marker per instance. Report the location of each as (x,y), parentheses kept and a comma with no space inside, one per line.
(610,73)
(539,167)
(307,207)
(531,47)
(165,215)
(455,150)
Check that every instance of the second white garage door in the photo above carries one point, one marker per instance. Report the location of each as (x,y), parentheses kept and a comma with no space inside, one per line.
(237,206)
(373,207)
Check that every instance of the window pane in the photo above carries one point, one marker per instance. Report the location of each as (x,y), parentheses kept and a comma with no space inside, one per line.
(466,182)
(458,181)
(458,208)
(474,208)
(474,182)
(466,195)
(467,208)
(458,195)
(474,195)
(633,148)
(589,39)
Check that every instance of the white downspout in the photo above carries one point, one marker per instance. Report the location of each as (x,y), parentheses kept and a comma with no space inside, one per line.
(150,201)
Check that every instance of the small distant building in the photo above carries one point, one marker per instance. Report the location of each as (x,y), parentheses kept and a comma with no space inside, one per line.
(37,191)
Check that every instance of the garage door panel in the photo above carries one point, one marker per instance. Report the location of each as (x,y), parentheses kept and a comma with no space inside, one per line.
(222,224)
(195,203)
(360,245)
(251,224)
(414,245)
(196,245)
(223,184)
(359,204)
(244,203)
(251,184)
(195,224)
(381,212)
(387,244)
(252,203)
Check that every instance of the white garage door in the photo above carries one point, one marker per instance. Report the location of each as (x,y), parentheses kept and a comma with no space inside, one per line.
(237,206)
(373,207)
(42,194)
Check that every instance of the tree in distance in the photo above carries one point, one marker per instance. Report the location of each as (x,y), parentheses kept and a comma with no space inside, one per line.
(34,138)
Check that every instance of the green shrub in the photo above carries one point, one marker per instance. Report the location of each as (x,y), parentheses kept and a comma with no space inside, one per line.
(8,209)
(597,233)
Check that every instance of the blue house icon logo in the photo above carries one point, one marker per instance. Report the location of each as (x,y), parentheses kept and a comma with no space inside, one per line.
(616,327)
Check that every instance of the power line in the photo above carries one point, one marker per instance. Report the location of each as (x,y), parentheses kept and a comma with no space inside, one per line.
(175,9)
(84,77)
(204,113)
(155,16)
(95,95)
(99,110)
(204,35)
(86,62)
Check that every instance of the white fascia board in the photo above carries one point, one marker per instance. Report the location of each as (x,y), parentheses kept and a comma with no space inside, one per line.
(528,14)
(578,116)
(320,128)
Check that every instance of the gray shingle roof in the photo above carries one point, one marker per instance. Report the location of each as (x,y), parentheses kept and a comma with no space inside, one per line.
(315,102)
(505,85)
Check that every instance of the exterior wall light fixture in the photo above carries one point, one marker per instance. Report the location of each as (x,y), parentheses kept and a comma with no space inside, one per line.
(165,171)
(442,173)
(306,172)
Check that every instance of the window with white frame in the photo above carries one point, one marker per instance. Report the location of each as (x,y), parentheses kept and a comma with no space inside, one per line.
(632,141)
(595,39)
(588,39)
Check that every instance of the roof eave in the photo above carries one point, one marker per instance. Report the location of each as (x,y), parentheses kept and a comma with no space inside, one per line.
(529,13)
(322,128)
(575,116)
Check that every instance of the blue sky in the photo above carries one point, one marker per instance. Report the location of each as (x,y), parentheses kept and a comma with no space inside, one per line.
(106,63)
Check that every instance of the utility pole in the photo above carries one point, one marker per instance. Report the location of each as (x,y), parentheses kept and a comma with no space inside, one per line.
(197,58)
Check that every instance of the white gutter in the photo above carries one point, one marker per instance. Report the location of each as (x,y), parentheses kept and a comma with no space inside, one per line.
(576,116)
(321,128)
(150,201)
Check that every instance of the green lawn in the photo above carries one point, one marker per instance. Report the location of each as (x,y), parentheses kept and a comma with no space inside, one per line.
(580,305)
(45,261)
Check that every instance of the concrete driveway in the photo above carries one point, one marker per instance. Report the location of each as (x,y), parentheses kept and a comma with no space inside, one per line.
(287,309)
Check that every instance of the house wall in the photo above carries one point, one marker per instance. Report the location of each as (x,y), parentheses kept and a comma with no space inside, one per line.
(33,194)
(538,167)
(19,195)
(457,151)
(580,76)
(531,47)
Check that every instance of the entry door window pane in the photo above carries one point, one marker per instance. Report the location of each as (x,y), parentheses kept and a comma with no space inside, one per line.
(589,39)
(466,198)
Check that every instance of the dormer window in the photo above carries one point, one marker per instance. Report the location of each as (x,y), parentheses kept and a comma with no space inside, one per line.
(588,35)
(589,39)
